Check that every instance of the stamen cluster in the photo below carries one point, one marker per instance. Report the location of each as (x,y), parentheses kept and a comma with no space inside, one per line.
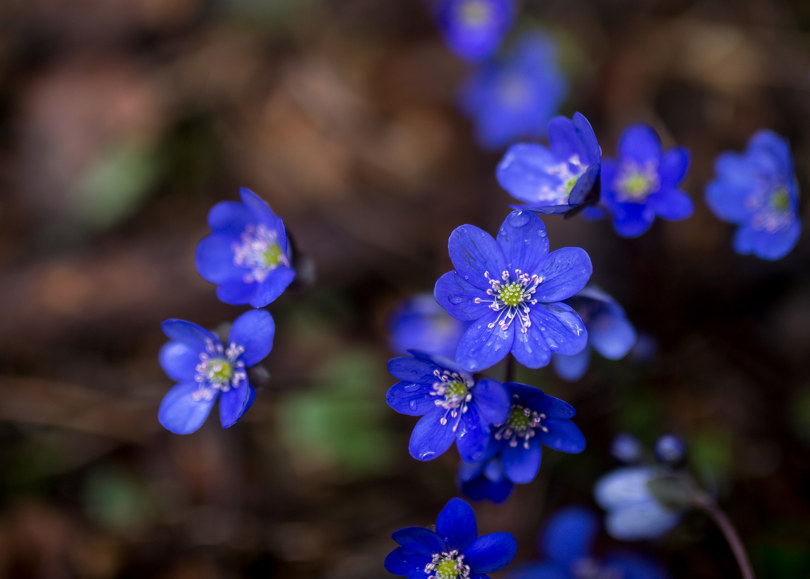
(219,369)
(260,251)
(449,565)
(512,298)
(454,392)
(522,423)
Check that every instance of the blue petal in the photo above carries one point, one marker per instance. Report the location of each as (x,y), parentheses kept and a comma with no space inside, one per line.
(530,348)
(564,272)
(772,150)
(561,327)
(583,189)
(572,368)
(525,173)
(647,520)
(524,241)
(179,361)
(180,412)
(477,40)
(767,245)
(672,204)
(640,144)
(521,464)
(214,259)
(564,139)
(402,561)
(481,346)
(472,436)
(254,330)
(480,488)
(273,286)
(612,335)
(406,399)
(419,540)
(673,167)
(492,400)
(456,524)
(430,437)
(188,333)
(562,435)
(473,251)
(540,571)
(233,404)
(490,552)
(631,219)
(458,297)
(236,292)
(261,212)
(229,217)
(569,535)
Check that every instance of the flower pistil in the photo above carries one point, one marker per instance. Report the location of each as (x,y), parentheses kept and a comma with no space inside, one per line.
(448,565)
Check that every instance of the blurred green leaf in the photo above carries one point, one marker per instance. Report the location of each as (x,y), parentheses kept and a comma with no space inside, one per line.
(115,499)
(672,491)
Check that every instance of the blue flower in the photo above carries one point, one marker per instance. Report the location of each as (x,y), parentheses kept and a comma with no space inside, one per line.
(473,29)
(643,182)
(247,254)
(206,370)
(453,406)
(559,178)
(453,551)
(420,323)
(485,479)
(609,332)
(757,190)
(512,289)
(633,512)
(535,419)
(515,97)
(566,545)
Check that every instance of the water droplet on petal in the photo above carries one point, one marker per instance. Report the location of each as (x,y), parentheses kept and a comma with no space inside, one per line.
(411,387)
(412,404)
(455,300)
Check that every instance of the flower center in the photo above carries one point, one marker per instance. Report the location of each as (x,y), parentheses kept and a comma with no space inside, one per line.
(635,183)
(521,423)
(259,251)
(771,208)
(448,565)
(219,370)
(513,90)
(780,200)
(474,13)
(453,393)
(511,299)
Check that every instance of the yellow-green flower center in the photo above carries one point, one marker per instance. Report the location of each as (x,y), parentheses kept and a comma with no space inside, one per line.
(446,570)
(447,566)
(511,294)
(636,182)
(220,371)
(518,420)
(780,200)
(455,390)
(271,256)
(521,423)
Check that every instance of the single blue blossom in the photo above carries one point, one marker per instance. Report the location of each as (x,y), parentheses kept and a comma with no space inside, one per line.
(512,288)
(206,370)
(453,551)
(247,253)
(515,97)
(633,512)
(420,323)
(535,420)
(643,182)
(757,190)
(473,29)
(626,448)
(453,406)
(670,450)
(560,178)
(609,332)
(485,479)
(566,546)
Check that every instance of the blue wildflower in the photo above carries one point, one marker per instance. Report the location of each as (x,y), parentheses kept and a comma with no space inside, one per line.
(757,190)
(566,547)
(559,178)
(609,332)
(453,551)
(512,290)
(535,419)
(626,448)
(633,512)
(515,97)
(670,450)
(206,370)
(453,406)
(473,29)
(643,182)
(485,479)
(247,254)
(420,323)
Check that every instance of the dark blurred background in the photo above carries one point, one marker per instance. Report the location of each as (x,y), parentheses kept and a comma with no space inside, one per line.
(123,121)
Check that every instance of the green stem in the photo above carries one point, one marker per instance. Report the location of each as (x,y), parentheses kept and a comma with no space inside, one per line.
(704,502)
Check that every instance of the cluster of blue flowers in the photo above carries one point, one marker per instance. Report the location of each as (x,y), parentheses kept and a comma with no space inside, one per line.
(249,257)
